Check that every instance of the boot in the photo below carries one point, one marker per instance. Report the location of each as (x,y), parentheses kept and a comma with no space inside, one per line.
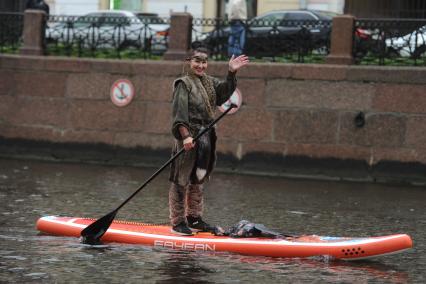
(198,225)
(182,229)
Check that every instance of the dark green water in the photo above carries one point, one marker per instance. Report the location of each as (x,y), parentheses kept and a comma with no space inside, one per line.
(29,190)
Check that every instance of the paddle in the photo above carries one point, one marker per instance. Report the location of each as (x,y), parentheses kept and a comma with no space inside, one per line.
(93,232)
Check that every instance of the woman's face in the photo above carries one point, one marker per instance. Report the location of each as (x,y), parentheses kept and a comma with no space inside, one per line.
(198,63)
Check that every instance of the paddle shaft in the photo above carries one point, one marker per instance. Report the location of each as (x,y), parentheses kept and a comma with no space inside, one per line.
(201,133)
(93,232)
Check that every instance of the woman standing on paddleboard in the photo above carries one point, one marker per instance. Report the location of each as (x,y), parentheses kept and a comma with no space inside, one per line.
(195,98)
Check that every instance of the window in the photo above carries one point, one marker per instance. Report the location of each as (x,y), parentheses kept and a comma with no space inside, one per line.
(269,19)
(299,16)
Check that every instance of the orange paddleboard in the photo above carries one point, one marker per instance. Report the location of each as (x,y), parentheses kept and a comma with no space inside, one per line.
(304,246)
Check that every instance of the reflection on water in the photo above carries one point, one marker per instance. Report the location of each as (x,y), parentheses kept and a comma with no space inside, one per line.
(29,190)
(184,267)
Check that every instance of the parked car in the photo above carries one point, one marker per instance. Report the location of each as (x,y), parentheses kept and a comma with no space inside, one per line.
(160,30)
(411,45)
(106,29)
(365,42)
(277,32)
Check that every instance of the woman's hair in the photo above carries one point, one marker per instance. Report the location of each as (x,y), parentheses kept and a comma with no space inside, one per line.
(198,46)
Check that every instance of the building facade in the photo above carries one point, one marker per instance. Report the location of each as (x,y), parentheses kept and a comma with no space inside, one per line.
(218,8)
(76,7)
(198,8)
(412,9)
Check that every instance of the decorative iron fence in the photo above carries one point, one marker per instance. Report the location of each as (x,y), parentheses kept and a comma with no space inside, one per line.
(390,42)
(107,35)
(112,35)
(11,27)
(280,41)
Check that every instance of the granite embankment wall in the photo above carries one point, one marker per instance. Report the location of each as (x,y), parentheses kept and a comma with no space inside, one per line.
(296,120)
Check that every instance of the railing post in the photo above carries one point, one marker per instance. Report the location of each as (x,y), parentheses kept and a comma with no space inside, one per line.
(180,36)
(341,40)
(33,33)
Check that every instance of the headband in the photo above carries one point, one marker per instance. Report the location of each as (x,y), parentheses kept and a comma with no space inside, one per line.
(200,56)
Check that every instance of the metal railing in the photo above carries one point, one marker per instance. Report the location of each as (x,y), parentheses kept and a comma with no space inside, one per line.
(107,36)
(376,41)
(390,42)
(11,27)
(279,41)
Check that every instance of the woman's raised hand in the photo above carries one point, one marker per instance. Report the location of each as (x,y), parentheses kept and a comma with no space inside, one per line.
(236,63)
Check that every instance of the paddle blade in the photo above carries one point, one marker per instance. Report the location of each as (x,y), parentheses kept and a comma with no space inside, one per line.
(92,234)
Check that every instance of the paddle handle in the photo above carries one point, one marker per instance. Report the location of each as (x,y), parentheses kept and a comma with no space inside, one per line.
(175,156)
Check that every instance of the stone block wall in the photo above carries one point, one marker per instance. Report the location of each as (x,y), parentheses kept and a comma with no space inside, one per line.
(295,119)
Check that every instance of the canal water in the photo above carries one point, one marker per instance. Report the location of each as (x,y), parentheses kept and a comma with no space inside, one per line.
(31,189)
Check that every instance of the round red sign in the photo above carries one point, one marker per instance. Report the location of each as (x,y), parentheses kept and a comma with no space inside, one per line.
(122,92)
